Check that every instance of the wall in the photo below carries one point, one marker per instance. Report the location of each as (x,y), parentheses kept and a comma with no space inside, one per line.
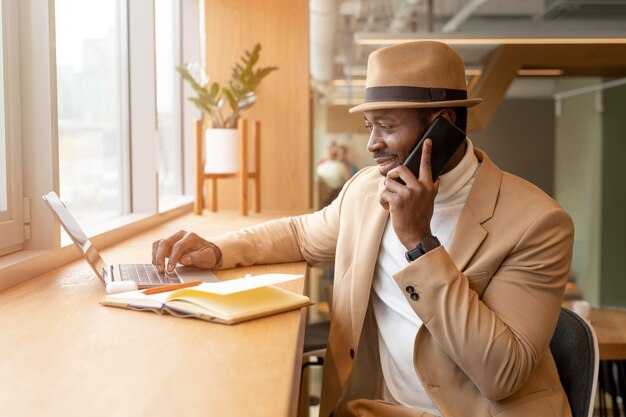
(520,140)
(281,26)
(578,180)
(613,244)
(590,183)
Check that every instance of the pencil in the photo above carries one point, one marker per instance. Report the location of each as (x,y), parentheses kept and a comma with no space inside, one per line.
(172,287)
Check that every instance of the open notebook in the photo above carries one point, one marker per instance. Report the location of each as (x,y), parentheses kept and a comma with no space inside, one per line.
(227,302)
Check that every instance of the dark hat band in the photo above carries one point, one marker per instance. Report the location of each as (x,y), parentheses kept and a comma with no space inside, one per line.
(413,94)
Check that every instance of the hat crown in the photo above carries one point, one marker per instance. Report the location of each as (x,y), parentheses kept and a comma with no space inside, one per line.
(415,75)
(426,64)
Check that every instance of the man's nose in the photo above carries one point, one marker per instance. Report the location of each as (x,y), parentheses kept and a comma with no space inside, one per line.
(375,142)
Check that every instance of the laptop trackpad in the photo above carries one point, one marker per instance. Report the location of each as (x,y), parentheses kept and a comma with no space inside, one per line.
(186,274)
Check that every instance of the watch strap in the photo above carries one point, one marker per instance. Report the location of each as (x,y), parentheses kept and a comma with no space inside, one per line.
(413,254)
(422,248)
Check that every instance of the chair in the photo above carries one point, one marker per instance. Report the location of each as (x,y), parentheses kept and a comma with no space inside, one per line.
(244,174)
(315,341)
(611,383)
(575,350)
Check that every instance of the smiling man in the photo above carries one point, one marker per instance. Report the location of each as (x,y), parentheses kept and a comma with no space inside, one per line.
(446,293)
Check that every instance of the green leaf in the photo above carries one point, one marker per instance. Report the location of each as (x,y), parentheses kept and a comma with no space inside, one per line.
(221,102)
(246,102)
(187,76)
(232,101)
(215,88)
(201,105)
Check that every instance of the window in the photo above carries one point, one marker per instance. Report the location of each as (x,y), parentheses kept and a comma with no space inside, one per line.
(11,214)
(92,108)
(169,112)
(88,88)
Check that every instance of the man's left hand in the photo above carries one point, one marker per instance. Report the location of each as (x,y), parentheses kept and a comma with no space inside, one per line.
(411,206)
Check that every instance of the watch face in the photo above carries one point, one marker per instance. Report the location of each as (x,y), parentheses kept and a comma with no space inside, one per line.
(429,243)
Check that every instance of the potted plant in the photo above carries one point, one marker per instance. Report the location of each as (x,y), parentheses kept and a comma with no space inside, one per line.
(223,106)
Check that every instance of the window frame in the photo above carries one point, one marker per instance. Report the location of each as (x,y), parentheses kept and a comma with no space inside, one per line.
(176,158)
(12,228)
(143,119)
(192,50)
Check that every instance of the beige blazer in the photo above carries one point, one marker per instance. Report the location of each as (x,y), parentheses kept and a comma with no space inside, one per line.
(489,302)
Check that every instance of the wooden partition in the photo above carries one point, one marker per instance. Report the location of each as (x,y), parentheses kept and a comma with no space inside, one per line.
(573,59)
(282,28)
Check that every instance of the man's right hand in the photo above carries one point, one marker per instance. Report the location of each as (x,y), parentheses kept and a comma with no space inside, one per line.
(187,248)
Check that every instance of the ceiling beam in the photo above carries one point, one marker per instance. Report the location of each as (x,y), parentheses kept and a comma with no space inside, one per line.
(499,72)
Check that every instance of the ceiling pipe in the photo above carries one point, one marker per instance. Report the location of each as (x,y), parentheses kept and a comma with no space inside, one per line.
(431,15)
(324,22)
(462,15)
(403,16)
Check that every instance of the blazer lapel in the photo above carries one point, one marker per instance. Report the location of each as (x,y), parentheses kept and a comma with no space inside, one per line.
(481,202)
(373,220)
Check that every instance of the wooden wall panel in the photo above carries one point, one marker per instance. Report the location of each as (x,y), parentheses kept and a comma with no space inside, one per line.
(283,106)
(340,120)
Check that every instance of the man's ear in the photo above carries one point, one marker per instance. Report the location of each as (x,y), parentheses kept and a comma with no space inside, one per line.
(447,114)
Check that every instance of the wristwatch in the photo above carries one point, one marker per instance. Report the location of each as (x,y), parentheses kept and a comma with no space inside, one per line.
(427,244)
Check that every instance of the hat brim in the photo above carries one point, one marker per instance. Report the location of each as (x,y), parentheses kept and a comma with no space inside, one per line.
(381,105)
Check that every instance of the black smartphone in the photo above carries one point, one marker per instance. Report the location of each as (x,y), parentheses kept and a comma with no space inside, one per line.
(446,139)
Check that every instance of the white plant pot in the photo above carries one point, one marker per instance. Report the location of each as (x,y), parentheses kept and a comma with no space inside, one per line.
(222,151)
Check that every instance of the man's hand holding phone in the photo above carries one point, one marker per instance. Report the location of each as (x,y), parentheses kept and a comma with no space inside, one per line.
(411,206)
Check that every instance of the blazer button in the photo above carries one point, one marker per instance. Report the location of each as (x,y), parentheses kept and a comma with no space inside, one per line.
(352,353)
(414,296)
(410,289)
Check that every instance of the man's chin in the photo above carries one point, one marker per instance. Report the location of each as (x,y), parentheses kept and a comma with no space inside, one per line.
(384,169)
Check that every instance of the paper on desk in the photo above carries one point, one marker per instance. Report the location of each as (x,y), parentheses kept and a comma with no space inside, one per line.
(232,286)
(248,282)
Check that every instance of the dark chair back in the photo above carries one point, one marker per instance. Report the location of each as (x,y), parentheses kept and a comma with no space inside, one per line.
(575,351)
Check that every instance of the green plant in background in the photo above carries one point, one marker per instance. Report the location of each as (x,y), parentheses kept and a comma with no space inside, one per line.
(238,95)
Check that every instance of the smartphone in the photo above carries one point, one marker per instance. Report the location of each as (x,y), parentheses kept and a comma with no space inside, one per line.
(446,139)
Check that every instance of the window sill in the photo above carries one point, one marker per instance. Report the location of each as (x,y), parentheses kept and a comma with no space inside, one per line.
(19,266)
(171,202)
(25,264)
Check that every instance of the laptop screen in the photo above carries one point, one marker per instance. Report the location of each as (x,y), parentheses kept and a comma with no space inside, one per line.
(75,232)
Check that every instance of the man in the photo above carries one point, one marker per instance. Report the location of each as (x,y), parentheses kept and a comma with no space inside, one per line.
(446,294)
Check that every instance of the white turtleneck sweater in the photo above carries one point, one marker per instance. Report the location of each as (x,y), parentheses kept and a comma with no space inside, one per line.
(397,322)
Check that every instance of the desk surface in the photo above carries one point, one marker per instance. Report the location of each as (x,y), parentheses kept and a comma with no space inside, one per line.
(610,327)
(63,354)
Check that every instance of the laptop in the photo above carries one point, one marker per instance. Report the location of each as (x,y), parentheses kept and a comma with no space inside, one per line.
(144,275)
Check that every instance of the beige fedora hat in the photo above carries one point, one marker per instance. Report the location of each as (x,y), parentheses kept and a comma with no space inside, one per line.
(415,75)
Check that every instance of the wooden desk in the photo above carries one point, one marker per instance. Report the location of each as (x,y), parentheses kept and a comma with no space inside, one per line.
(610,327)
(63,354)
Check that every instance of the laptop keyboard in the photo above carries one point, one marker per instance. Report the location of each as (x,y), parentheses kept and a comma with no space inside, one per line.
(146,274)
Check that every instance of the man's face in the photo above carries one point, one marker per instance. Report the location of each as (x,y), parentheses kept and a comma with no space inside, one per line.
(393,134)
